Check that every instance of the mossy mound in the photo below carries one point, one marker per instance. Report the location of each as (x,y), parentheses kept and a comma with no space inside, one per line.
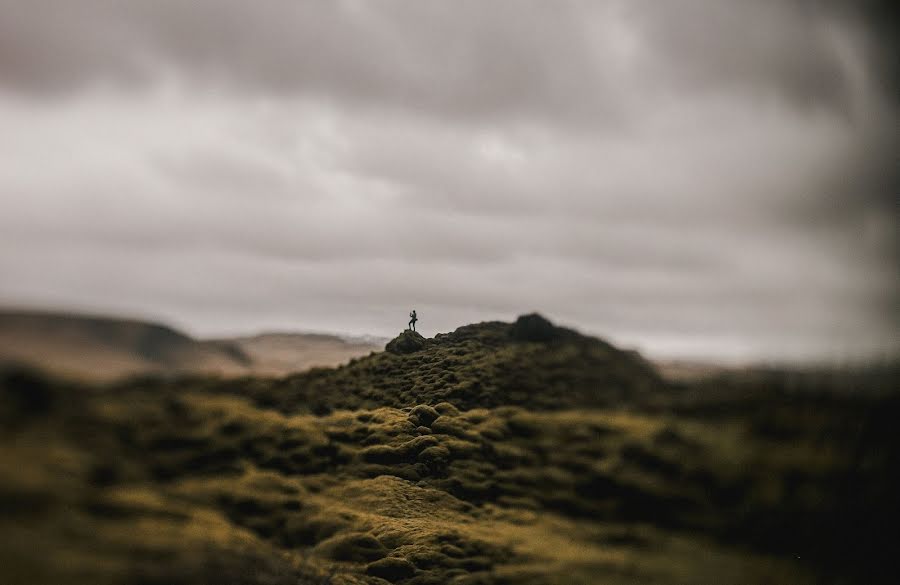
(530,363)
(392,569)
(354,547)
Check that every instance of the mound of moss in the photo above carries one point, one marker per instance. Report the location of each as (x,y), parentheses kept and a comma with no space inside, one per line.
(182,485)
(530,363)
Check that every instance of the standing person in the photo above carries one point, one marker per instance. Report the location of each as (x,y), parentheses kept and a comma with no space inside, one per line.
(412,320)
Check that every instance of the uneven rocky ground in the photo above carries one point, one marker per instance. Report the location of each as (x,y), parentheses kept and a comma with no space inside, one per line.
(497,454)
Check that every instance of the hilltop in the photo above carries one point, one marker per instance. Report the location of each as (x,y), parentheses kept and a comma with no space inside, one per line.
(530,363)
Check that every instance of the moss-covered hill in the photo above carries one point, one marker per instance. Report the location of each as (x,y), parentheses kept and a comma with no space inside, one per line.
(530,363)
(384,471)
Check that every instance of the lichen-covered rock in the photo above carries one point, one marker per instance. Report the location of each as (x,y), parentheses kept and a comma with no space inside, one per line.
(406,342)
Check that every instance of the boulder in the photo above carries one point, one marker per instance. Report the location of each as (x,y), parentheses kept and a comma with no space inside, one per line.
(406,342)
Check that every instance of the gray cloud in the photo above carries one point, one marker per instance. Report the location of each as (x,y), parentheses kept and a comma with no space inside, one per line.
(465,59)
(706,178)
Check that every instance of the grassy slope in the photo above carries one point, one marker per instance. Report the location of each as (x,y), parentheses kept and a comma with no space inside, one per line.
(397,468)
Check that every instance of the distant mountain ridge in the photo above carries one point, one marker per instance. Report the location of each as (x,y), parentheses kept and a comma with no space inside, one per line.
(279,354)
(102,348)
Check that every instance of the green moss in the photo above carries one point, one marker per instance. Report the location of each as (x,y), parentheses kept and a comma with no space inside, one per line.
(391,569)
(423,415)
(209,481)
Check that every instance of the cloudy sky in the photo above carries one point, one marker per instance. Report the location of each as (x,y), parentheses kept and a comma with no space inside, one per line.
(695,178)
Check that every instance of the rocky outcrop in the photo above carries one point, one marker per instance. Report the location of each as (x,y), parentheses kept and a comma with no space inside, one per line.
(406,342)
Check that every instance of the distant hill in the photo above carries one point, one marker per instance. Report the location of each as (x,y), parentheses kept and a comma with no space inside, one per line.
(530,363)
(105,348)
(279,354)
(692,370)
(99,348)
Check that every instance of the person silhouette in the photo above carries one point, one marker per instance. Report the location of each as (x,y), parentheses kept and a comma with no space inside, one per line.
(412,320)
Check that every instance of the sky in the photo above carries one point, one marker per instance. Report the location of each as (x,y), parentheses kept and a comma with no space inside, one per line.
(700,179)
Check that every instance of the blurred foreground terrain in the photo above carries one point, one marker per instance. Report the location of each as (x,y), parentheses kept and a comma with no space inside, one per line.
(495,454)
